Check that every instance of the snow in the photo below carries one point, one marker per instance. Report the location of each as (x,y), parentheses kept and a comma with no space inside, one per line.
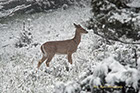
(134,3)
(120,73)
(86,80)
(18,65)
(116,67)
(59,87)
(91,62)
(133,78)
(138,62)
(70,87)
(98,71)
(11,11)
(95,81)
(111,78)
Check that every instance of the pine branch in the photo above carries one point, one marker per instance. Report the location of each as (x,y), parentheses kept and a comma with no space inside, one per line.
(115,39)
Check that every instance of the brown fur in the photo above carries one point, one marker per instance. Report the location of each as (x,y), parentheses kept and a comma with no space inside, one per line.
(49,49)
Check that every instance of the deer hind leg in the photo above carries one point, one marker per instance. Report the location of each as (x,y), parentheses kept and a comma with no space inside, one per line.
(50,56)
(41,61)
(70,58)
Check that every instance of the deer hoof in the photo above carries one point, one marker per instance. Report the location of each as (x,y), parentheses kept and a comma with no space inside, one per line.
(47,65)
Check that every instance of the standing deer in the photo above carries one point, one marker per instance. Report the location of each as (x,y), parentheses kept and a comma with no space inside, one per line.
(49,49)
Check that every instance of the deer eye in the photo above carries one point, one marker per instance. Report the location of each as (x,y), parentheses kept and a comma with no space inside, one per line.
(83,29)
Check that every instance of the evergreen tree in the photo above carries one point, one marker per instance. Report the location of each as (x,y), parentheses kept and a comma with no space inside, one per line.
(105,23)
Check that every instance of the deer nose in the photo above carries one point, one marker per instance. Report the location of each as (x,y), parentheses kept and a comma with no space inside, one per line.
(86,31)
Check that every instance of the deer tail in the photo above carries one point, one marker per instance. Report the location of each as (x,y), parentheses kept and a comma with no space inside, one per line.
(43,50)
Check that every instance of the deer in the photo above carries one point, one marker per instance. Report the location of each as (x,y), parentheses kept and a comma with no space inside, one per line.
(49,49)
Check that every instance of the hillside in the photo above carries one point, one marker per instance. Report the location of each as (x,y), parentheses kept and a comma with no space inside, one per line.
(97,62)
(18,64)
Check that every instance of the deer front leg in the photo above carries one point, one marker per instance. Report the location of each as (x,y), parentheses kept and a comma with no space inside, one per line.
(50,56)
(41,61)
(70,58)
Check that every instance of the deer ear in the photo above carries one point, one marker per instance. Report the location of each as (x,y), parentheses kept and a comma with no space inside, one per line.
(75,25)
(79,25)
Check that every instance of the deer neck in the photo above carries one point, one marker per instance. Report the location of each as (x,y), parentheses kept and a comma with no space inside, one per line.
(77,37)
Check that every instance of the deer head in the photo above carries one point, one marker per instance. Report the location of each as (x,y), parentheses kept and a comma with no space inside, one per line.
(80,29)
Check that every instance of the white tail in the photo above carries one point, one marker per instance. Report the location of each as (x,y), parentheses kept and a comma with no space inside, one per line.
(49,49)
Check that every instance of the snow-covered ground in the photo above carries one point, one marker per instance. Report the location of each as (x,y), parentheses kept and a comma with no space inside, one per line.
(18,65)
(134,3)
